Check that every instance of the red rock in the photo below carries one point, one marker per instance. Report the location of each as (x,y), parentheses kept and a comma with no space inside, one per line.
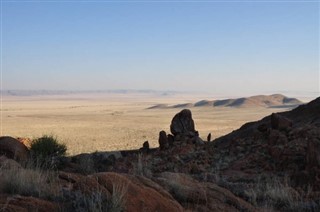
(12,148)
(25,141)
(140,194)
(197,196)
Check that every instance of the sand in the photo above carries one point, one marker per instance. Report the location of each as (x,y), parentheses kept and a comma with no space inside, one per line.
(113,122)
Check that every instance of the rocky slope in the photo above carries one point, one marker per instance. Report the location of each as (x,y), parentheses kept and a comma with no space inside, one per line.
(269,165)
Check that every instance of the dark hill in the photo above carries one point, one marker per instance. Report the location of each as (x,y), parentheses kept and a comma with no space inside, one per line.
(275,100)
(266,101)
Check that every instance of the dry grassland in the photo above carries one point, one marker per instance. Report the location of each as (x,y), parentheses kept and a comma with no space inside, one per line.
(113,122)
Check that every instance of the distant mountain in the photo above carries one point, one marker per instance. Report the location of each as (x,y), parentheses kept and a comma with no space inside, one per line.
(275,100)
(266,101)
(159,106)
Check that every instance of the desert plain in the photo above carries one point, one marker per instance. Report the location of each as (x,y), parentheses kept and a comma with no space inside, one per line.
(108,122)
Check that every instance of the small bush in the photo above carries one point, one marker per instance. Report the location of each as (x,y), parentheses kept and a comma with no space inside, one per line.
(45,149)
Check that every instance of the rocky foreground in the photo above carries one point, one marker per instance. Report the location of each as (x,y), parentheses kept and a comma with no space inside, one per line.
(268,165)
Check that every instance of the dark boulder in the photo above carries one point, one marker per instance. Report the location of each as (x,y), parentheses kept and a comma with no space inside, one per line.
(183,124)
(163,140)
(209,137)
(170,139)
(280,122)
(145,147)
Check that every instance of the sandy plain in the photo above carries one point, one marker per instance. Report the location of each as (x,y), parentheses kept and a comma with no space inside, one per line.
(114,121)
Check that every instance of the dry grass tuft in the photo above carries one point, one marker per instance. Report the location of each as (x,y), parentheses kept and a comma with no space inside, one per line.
(98,202)
(30,182)
(274,194)
(141,167)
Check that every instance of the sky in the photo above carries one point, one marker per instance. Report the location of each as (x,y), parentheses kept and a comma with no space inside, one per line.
(223,47)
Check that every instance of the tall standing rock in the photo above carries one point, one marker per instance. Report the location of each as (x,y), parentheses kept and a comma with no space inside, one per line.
(163,140)
(183,124)
(209,137)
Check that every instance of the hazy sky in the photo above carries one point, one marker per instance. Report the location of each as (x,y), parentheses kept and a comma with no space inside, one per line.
(219,47)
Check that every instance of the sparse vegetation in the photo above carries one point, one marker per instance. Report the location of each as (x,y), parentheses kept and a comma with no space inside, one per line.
(141,167)
(92,202)
(98,202)
(138,166)
(45,149)
(274,194)
(86,165)
(118,198)
(29,182)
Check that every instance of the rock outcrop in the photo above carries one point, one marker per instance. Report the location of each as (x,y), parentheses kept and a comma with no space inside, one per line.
(197,196)
(13,149)
(133,193)
(279,122)
(145,147)
(285,143)
(182,124)
(163,140)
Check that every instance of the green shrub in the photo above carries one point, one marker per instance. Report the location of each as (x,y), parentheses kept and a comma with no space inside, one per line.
(45,149)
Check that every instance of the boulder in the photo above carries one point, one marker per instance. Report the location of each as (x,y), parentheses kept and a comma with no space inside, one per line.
(198,196)
(13,149)
(280,122)
(145,147)
(125,192)
(163,140)
(183,124)
(6,163)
